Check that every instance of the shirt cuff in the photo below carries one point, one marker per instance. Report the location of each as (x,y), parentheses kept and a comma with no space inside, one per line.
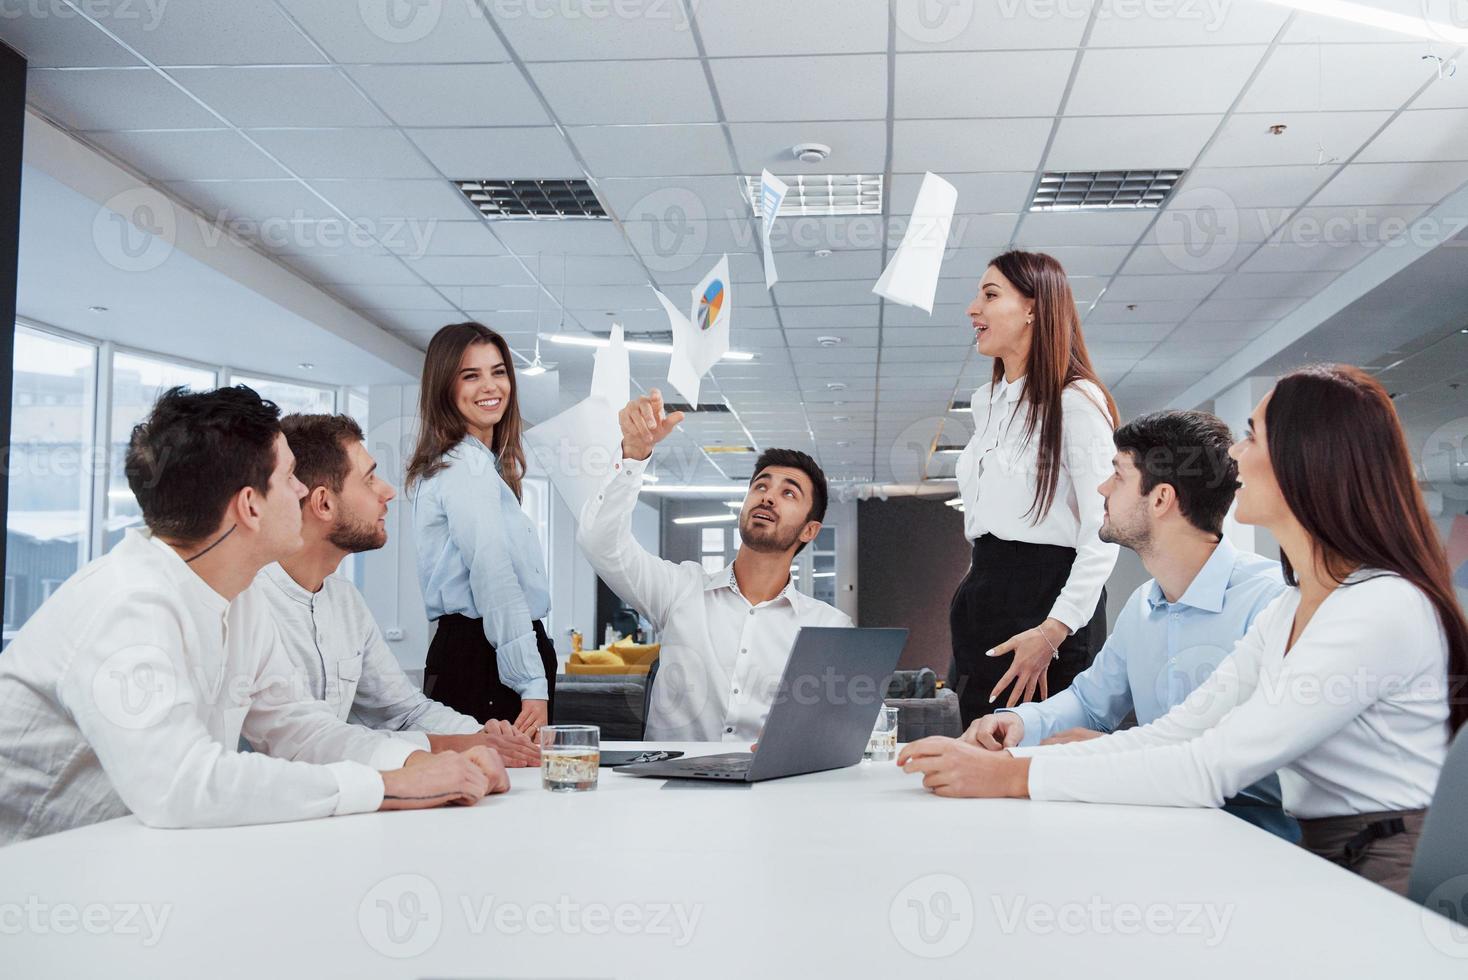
(1024,752)
(419,739)
(359,788)
(1068,614)
(631,467)
(521,669)
(393,752)
(1029,716)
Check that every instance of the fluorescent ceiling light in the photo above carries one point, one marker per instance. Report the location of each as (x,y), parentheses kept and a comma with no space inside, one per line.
(719,489)
(1386,20)
(1103,190)
(649,478)
(706,519)
(822,194)
(637,345)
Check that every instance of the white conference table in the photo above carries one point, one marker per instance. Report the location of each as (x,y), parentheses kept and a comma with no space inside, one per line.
(856,872)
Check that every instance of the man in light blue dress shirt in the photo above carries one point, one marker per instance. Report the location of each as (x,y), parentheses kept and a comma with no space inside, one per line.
(1172,484)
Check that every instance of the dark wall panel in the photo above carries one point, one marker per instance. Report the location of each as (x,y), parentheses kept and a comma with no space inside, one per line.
(12,128)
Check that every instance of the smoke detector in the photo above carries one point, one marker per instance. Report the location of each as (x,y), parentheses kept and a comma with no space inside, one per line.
(828,341)
(810,152)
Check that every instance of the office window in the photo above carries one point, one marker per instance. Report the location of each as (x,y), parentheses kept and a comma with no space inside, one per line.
(822,553)
(137,381)
(535,502)
(712,546)
(51,467)
(357,406)
(292,398)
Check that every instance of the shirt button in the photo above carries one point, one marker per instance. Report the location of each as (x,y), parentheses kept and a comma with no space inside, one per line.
(744,649)
(728,731)
(736,690)
(751,612)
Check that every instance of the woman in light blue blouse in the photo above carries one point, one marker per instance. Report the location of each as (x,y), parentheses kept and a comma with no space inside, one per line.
(479,558)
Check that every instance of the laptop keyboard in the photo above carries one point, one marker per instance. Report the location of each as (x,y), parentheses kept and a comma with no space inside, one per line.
(721,765)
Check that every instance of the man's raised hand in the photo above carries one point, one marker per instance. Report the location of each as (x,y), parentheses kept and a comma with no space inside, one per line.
(644,425)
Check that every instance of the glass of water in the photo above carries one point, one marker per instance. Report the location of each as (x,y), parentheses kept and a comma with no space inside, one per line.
(882,746)
(570,756)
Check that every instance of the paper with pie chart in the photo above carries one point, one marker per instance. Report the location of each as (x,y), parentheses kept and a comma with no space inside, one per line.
(911,278)
(578,448)
(702,337)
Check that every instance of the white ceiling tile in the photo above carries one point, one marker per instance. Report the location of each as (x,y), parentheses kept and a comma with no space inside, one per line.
(305,96)
(1256,187)
(587,269)
(386,270)
(1140,289)
(1318,77)
(499,298)
(382,297)
(1245,140)
(1213,228)
(1204,256)
(919,337)
(845,292)
(1078,260)
(1155,311)
(418,33)
(643,151)
(1447,92)
(977,193)
(117,98)
(598,299)
(622,92)
(815,88)
(1004,83)
(1429,134)
(864,264)
(1333,225)
(989,26)
(850,336)
(1087,289)
(1219,329)
(968,146)
(215,32)
(505,154)
(583,237)
(595,32)
(987,231)
(1393,183)
(261,200)
(421,324)
(452,95)
(62,42)
(764,27)
(1124,81)
(856,232)
(468,238)
(1306,257)
(828,317)
(856,147)
(389,200)
(474,270)
(1246,285)
(674,199)
(744,267)
(1129,142)
(1083,227)
(950,314)
(675,246)
(1234,307)
(1313,29)
(190,155)
(1125,23)
(1110,333)
(370,152)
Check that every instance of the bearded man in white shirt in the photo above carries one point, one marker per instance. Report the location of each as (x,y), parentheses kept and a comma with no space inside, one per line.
(325,625)
(725,635)
(129,689)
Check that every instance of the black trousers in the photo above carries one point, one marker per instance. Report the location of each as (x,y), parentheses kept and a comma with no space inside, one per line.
(1010,587)
(463,672)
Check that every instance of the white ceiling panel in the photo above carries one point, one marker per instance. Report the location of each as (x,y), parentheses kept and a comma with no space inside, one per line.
(274,96)
(990,26)
(856,147)
(1077,260)
(451,95)
(202,154)
(1111,333)
(829,317)
(1393,183)
(1428,134)
(977,193)
(1161,260)
(1144,289)
(505,154)
(583,237)
(640,151)
(1307,257)
(381,153)
(986,231)
(1310,138)
(1124,81)
(596,32)
(766,27)
(816,88)
(1129,142)
(389,200)
(1124,23)
(625,92)
(1233,307)
(463,238)
(839,292)
(387,270)
(981,84)
(969,145)
(418,33)
(254,200)
(1325,77)
(673,199)
(214,32)
(384,297)
(121,98)
(1153,311)
(1246,285)
(864,265)
(63,42)
(1084,227)
(1255,187)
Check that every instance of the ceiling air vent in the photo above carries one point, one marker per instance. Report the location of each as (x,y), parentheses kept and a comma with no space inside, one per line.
(532,200)
(822,194)
(1103,190)
(706,407)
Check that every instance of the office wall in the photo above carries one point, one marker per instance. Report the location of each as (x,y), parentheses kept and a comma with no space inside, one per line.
(12,127)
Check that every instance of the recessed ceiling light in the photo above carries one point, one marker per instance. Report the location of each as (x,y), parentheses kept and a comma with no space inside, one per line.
(706,519)
(534,200)
(97,309)
(1103,190)
(822,253)
(835,385)
(810,152)
(822,195)
(840,418)
(842,443)
(1277,129)
(829,341)
(1463,330)
(306,366)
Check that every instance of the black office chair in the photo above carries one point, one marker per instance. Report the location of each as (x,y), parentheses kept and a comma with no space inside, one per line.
(1439,878)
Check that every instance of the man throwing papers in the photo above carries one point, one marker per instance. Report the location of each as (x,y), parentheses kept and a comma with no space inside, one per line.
(725,634)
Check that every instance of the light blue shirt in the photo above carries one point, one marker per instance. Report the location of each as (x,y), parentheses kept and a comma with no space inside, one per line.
(1159,651)
(479,556)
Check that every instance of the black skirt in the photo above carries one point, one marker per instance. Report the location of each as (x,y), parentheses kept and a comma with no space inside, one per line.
(463,672)
(1010,587)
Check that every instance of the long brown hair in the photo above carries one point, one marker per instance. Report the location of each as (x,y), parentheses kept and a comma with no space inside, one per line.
(441,427)
(1057,358)
(1341,460)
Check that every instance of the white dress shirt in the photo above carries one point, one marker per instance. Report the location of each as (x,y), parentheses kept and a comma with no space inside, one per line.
(128,690)
(1354,717)
(997,474)
(722,658)
(333,640)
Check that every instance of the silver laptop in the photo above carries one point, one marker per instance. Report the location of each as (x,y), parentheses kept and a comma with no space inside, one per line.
(822,716)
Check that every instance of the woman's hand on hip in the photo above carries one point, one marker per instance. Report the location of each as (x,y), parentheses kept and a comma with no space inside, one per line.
(1033,650)
(533,714)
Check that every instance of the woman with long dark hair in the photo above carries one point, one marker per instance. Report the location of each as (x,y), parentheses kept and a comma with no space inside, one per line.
(1041,445)
(479,558)
(1349,684)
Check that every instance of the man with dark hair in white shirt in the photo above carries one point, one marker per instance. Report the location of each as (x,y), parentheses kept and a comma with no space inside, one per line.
(325,625)
(129,689)
(727,634)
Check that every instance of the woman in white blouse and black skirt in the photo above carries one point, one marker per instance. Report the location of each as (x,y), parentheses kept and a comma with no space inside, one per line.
(1031,613)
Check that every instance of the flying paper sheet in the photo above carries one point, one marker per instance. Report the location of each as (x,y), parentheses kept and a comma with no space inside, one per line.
(701,338)
(771,194)
(911,278)
(578,448)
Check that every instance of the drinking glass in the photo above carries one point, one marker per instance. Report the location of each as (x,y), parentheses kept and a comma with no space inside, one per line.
(570,756)
(882,746)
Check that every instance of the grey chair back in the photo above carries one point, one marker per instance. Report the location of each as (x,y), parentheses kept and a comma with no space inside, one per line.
(920,717)
(1439,878)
